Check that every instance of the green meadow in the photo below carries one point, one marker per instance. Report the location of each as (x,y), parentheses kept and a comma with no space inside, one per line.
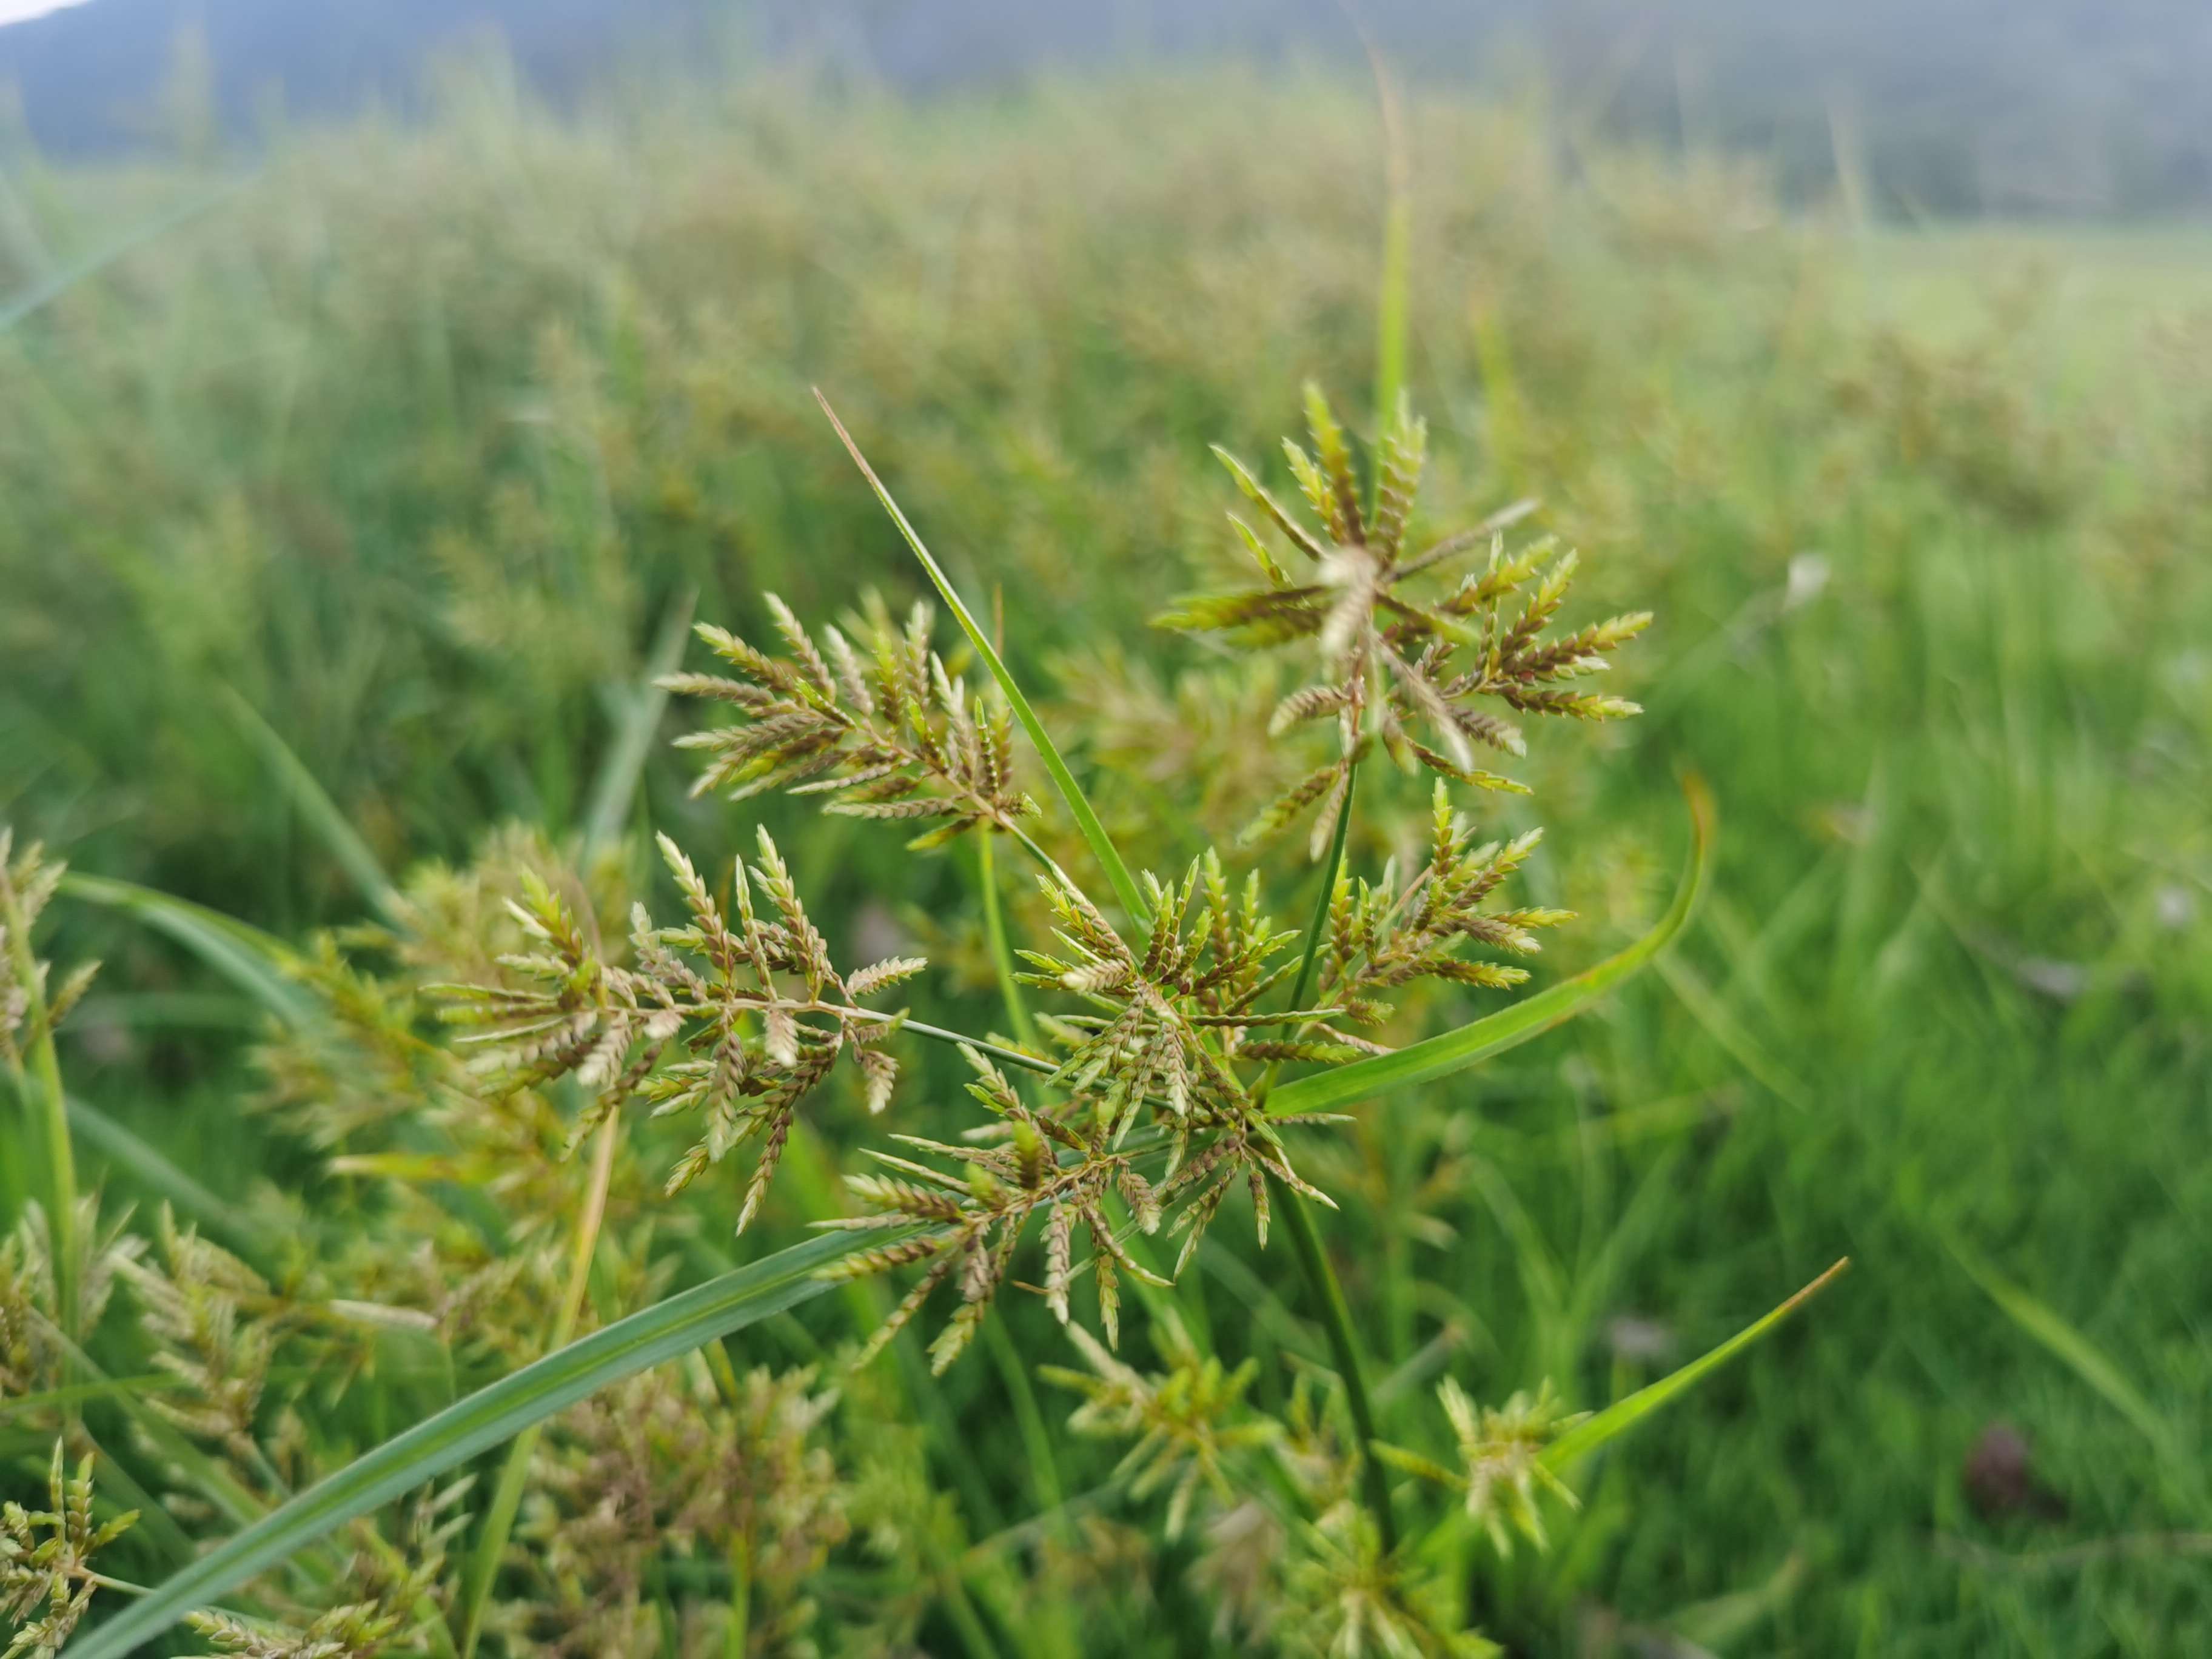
(348,505)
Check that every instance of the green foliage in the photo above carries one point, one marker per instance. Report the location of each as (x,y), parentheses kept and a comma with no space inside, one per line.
(419,445)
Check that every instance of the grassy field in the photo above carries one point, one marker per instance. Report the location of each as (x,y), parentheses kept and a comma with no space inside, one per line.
(415,444)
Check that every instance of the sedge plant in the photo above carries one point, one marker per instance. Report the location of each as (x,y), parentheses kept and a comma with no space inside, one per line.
(541,1039)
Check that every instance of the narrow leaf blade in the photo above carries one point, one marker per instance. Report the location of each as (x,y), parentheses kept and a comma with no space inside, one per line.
(314,805)
(253,961)
(1078,805)
(472,1425)
(1455,1051)
(2076,1352)
(615,786)
(153,1169)
(1625,1414)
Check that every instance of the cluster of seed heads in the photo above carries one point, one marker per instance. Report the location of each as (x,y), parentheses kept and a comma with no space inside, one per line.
(1394,663)
(891,736)
(754,1010)
(45,1560)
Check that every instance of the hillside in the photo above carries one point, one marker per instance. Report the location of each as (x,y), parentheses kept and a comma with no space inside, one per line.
(1965,106)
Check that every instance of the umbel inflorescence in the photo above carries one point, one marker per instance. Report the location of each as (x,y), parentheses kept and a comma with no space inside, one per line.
(1395,659)
(1168,1024)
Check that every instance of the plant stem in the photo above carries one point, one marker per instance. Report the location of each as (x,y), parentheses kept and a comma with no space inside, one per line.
(1029,844)
(1002,953)
(507,1500)
(1044,1470)
(53,1107)
(1391,306)
(734,1641)
(1306,1239)
(958,1606)
(1078,805)
(1336,1320)
(1045,1473)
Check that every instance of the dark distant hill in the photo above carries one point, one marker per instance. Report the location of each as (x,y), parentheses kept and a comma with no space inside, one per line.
(1956,105)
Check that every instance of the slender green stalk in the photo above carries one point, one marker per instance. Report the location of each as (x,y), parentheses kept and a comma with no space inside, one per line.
(257,962)
(1336,1322)
(1045,861)
(1045,1472)
(298,782)
(741,1597)
(1301,987)
(958,1606)
(146,1165)
(1037,1440)
(616,789)
(51,1106)
(1305,1238)
(1002,951)
(809,1165)
(996,1051)
(507,1499)
(2091,1364)
(1390,311)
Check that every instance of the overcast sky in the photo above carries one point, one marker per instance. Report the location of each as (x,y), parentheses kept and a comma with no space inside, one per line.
(14,11)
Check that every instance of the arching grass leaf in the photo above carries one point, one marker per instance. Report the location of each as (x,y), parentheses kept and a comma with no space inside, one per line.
(475,1425)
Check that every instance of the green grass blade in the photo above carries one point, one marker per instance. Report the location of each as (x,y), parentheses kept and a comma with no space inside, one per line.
(316,808)
(60,281)
(1710,1010)
(1623,1415)
(490,1552)
(475,1425)
(253,961)
(1471,1044)
(75,1393)
(152,1170)
(2076,1352)
(615,786)
(1078,805)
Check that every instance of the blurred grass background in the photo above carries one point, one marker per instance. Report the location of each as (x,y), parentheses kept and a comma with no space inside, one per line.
(413,441)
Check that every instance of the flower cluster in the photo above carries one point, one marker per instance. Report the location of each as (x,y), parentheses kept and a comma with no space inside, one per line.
(30,1008)
(1501,1450)
(763,1012)
(893,736)
(1392,662)
(45,1560)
